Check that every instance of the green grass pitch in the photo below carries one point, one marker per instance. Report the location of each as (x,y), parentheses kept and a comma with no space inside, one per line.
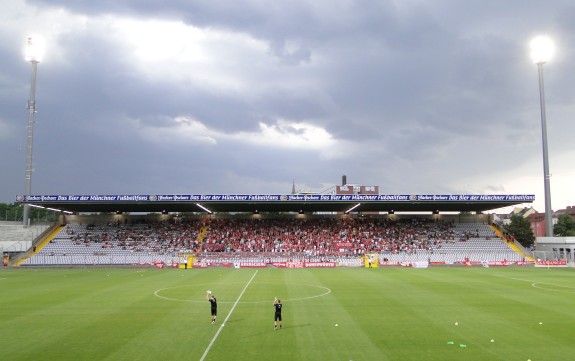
(329,314)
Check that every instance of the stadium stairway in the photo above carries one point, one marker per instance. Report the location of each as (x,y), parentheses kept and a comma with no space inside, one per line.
(42,242)
(202,234)
(511,245)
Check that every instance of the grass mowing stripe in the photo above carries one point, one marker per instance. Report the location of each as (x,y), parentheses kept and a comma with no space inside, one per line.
(228,316)
(383,314)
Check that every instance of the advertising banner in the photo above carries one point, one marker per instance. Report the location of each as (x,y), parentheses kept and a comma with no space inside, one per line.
(304,264)
(130,198)
(343,245)
(551,263)
(251,264)
(319,264)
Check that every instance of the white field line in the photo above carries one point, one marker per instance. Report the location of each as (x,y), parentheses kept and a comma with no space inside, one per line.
(535,284)
(326,291)
(227,317)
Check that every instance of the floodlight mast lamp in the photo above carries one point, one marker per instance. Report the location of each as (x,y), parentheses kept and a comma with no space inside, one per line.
(542,49)
(33,55)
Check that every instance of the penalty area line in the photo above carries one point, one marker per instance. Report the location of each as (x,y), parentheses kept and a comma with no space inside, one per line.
(227,317)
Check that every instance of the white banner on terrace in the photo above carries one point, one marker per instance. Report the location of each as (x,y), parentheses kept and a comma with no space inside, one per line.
(421,264)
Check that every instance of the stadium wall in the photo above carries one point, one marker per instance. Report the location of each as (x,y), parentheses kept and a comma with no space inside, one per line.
(555,248)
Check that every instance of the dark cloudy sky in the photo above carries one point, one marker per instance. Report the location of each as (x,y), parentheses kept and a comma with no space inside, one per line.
(244,96)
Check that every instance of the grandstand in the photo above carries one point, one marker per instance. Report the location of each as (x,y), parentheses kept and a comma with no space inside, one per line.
(338,229)
(341,240)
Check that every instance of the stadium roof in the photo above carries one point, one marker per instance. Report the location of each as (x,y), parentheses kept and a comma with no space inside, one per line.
(307,203)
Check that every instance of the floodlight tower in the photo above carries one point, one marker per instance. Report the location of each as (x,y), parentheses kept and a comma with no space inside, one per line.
(542,49)
(32,53)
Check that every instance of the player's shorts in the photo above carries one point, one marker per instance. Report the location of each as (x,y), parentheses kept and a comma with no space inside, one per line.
(278,316)
(214,311)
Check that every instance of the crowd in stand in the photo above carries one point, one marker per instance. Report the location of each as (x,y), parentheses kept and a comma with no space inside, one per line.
(324,236)
(313,236)
(157,237)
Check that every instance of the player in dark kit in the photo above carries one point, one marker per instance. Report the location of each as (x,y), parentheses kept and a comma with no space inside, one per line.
(214,306)
(278,314)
